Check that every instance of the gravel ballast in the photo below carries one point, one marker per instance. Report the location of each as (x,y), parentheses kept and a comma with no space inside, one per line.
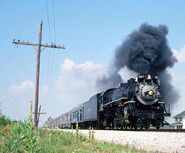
(168,142)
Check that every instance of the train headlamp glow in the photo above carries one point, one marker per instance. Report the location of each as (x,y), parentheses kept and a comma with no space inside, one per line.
(150,93)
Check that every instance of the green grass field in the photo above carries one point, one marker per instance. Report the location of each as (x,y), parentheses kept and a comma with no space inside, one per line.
(60,142)
(53,141)
(22,138)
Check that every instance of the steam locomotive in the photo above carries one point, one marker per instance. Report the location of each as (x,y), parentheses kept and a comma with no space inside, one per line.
(135,104)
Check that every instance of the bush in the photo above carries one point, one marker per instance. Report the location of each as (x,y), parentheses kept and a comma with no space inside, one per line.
(4,121)
(22,137)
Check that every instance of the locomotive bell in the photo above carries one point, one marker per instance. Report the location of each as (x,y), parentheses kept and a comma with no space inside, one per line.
(149,77)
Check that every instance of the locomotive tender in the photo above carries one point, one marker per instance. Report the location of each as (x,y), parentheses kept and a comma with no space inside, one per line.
(135,104)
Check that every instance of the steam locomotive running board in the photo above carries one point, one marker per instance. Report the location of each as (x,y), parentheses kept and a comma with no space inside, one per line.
(123,98)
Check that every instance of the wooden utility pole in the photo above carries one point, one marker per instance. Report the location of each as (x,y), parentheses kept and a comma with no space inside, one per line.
(38,49)
(38,117)
(39,113)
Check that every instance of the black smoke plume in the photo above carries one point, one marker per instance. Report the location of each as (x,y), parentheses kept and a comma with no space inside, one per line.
(145,51)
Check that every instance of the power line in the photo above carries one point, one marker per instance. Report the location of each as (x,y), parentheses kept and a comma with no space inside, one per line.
(52,54)
(54,21)
(40,47)
(50,33)
(48,20)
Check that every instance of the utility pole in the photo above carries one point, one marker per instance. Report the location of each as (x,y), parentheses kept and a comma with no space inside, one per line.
(38,48)
(39,113)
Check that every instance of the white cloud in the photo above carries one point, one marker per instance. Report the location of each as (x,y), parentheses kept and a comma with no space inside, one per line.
(180,54)
(76,82)
(22,87)
(18,99)
(178,79)
(74,85)
(67,65)
(178,83)
(126,74)
(20,95)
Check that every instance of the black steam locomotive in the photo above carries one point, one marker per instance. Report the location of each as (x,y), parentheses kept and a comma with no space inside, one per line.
(134,104)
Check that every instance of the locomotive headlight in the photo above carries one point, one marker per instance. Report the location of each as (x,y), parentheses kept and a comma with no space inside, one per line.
(150,93)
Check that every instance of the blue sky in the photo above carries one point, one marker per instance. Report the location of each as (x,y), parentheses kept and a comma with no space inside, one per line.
(90,30)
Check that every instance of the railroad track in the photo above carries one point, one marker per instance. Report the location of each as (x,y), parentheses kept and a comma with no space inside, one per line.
(152,130)
(142,130)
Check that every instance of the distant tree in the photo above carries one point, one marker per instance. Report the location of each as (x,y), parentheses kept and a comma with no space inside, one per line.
(4,120)
(48,122)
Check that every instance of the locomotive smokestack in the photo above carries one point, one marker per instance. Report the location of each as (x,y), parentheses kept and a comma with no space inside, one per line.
(145,51)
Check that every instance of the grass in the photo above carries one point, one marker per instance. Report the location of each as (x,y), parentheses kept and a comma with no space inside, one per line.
(65,142)
(21,137)
(12,140)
